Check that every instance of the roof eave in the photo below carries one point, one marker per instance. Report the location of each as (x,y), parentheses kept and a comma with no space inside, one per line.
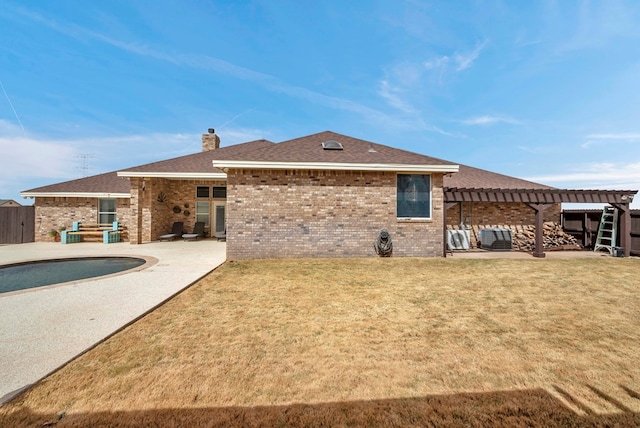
(226,165)
(75,195)
(175,175)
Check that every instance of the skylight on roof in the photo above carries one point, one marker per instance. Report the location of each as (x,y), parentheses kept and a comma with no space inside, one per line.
(331,145)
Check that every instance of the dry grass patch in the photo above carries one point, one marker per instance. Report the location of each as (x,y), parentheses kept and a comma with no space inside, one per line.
(268,334)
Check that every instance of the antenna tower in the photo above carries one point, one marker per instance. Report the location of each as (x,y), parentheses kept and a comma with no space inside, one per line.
(84,163)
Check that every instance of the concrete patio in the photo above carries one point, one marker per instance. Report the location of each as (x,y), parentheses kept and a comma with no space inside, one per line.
(43,328)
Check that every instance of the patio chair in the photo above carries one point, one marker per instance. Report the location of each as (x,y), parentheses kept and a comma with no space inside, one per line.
(198,232)
(176,231)
(221,236)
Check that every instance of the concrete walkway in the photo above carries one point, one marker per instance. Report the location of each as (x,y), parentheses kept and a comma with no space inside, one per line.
(43,328)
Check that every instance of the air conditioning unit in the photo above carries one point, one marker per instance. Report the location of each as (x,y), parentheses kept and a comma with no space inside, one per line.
(494,238)
(458,239)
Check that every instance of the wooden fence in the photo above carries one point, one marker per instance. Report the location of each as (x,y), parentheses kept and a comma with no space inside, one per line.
(17,225)
(583,225)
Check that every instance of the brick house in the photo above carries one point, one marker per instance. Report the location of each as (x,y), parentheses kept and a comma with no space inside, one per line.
(323,195)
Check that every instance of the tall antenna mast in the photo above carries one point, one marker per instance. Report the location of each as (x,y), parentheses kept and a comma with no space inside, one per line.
(84,163)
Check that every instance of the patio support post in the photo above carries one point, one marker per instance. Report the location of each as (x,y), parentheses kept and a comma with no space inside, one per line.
(625,227)
(539,209)
(447,205)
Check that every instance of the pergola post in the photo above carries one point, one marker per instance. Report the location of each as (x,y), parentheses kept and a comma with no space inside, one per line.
(539,209)
(447,205)
(625,227)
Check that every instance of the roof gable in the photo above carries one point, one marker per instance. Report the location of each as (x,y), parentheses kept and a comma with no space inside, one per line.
(197,163)
(331,151)
(306,150)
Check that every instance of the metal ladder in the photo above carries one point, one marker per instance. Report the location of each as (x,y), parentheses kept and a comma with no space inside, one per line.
(607,230)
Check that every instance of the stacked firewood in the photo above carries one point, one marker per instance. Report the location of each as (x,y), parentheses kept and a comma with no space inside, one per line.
(554,238)
(524,237)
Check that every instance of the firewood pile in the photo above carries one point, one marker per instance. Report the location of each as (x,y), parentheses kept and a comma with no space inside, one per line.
(553,238)
(524,237)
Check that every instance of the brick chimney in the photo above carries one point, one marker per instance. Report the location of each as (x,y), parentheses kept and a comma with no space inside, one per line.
(210,141)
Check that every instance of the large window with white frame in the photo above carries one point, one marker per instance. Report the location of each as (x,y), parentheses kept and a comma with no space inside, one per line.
(107,210)
(414,196)
(203,209)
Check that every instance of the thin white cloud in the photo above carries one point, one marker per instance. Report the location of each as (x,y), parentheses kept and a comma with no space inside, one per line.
(40,160)
(458,61)
(31,157)
(598,24)
(466,60)
(622,136)
(437,63)
(489,120)
(596,175)
(206,62)
(611,138)
(393,95)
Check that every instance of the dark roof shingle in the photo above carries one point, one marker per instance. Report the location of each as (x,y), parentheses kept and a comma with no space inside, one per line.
(201,161)
(303,150)
(109,182)
(309,150)
(474,178)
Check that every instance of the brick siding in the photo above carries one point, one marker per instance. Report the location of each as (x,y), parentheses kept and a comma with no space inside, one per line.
(486,213)
(479,215)
(278,214)
(55,213)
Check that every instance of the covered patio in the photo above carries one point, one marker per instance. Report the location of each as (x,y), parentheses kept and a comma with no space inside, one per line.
(541,199)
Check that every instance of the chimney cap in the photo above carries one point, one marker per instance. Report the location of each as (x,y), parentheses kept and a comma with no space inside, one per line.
(212,131)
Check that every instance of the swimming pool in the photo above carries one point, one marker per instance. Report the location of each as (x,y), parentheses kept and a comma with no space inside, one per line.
(22,276)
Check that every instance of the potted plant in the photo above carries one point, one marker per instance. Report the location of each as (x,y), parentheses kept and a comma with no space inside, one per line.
(53,233)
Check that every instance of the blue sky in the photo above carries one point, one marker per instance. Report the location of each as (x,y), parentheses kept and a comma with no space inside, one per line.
(542,90)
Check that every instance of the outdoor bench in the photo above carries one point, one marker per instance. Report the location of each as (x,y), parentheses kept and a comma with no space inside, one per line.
(109,232)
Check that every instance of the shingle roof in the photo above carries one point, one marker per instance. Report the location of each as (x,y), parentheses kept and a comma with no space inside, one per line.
(109,182)
(199,162)
(475,178)
(355,151)
(299,150)
(112,183)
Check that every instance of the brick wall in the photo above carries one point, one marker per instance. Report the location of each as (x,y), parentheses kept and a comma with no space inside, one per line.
(478,215)
(54,213)
(277,214)
(486,213)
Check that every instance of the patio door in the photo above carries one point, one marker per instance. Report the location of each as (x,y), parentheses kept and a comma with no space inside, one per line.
(219,217)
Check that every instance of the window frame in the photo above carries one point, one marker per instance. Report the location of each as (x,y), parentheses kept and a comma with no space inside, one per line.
(113,213)
(208,188)
(202,215)
(219,189)
(429,200)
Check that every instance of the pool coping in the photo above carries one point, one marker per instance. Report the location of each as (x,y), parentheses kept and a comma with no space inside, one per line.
(149,261)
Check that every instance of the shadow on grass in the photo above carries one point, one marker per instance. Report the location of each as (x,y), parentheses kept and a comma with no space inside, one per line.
(534,407)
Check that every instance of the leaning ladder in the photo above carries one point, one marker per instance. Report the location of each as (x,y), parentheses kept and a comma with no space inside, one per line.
(607,230)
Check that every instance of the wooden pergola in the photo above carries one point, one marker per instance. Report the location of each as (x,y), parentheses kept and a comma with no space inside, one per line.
(540,199)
